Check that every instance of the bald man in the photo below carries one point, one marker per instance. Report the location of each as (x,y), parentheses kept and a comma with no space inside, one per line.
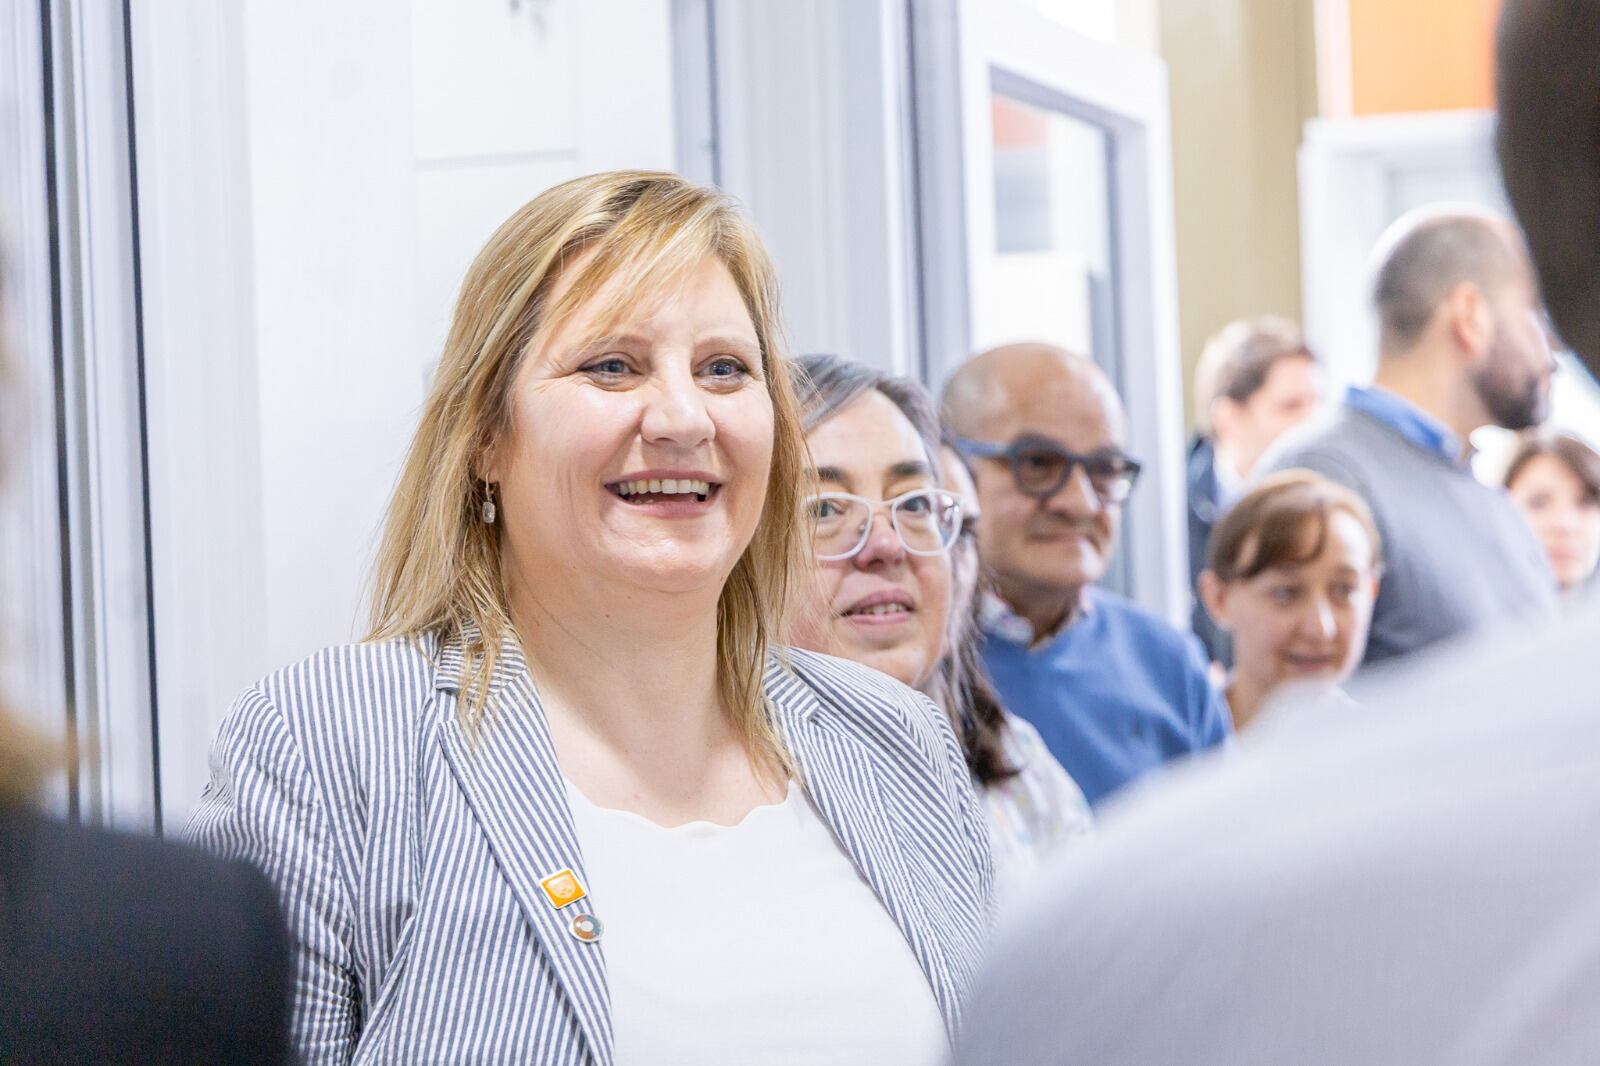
(1462,344)
(1113,690)
(1414,883)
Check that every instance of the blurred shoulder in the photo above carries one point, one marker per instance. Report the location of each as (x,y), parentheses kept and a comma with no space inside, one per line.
(95,906)
(1338,442)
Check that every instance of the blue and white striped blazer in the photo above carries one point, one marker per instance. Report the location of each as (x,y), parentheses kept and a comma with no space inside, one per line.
(407,854)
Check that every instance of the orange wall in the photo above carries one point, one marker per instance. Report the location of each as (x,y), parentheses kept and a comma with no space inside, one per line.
(1421,55)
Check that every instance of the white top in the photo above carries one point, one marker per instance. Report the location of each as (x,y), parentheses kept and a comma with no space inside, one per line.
(1032,814)
(1412,880)
(757,942)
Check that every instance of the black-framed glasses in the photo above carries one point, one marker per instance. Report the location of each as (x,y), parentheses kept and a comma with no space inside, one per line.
(926,521)
(1040,466)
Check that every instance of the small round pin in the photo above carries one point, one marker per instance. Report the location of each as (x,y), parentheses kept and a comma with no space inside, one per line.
(587,928)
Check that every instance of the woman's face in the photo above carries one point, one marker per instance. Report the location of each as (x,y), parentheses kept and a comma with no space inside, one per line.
(884,607)
(1306,622)
(638,461)
(1563,514)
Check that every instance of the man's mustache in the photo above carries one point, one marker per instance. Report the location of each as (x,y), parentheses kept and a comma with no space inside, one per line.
(1052,525)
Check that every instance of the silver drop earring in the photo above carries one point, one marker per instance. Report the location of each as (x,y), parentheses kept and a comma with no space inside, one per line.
(488,504)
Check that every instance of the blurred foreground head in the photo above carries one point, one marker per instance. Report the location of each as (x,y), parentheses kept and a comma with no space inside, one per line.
(1548,88)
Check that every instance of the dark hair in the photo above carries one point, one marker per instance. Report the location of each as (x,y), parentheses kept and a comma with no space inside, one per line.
(1284,522)
(826,384)
(1238,360)
(976,713)
(1433,251)
(1582,460)
(1548,141)
(975,708)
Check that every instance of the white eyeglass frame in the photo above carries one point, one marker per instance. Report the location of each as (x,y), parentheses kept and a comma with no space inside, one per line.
(874,506)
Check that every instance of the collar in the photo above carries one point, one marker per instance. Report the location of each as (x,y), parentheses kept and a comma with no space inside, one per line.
(1230,486)
(997,619)
(1410,421)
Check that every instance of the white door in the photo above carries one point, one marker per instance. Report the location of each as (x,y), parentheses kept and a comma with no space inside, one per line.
(1046,214)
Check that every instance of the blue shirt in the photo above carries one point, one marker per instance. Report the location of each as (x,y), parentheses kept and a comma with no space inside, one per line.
(1408,420)
(1115,694)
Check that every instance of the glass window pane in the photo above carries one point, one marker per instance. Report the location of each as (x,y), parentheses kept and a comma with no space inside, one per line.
(1052,258)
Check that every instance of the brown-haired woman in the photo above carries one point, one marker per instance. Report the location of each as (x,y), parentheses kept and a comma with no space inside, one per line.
(563,806)
(1292,574)
(1555,480)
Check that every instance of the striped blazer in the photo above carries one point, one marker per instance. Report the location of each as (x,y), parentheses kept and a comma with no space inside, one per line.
(407,853)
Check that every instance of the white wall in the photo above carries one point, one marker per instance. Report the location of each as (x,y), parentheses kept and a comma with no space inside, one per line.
(315,180)
(336,285)
(508,105)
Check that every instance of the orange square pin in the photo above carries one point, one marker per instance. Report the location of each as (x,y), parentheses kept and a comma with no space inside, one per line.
(562,888)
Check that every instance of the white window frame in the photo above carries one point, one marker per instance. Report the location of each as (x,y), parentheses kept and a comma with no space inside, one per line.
(1347,167)
(80,318)
(809,127)
(961,48)
(33,636)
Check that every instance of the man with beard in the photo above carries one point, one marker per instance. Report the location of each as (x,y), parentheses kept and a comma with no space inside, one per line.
(1114,691)
(1462,344)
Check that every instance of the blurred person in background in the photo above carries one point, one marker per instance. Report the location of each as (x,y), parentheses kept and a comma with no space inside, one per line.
(117,948)
(1291,578)
(1255,380)
(1555,480)
(1114,690)
(897,594)
(1413,884)
(568,803)
(1463,344)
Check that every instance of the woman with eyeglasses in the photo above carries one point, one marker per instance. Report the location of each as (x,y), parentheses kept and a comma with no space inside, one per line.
(897,579)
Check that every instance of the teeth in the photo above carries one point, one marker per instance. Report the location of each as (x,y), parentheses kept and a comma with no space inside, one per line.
(665,487)
(883,608)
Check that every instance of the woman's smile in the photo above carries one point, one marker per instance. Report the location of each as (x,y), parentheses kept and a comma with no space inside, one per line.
(668,493)
(1304,664)
(890,607)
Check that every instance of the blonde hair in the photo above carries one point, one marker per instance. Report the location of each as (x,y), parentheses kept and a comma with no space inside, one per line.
(438,567)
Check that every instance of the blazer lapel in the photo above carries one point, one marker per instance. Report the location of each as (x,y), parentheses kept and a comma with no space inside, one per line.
(507,768)
(846,785)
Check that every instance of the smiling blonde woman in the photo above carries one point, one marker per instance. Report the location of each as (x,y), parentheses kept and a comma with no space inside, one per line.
(566,805)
